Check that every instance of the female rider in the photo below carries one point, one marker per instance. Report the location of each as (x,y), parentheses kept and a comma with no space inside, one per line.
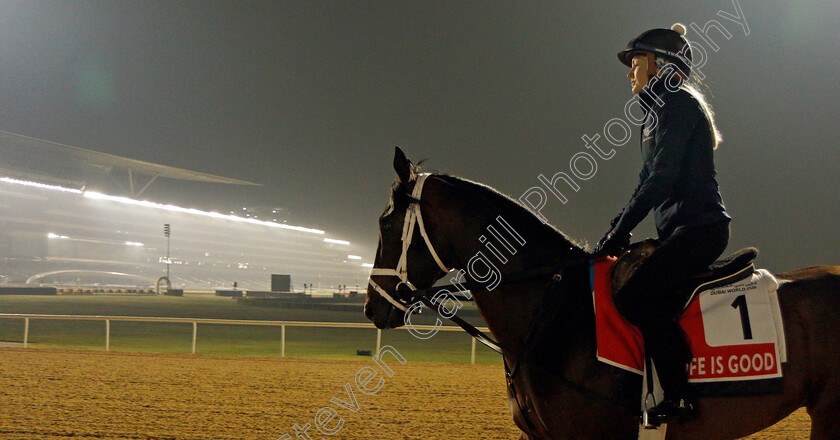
(678,183)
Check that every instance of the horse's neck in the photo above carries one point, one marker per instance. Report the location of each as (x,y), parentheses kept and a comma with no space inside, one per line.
(564,311)
(473,223)
(495,242)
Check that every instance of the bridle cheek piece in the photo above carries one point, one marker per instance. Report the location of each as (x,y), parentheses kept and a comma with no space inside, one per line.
(413,216)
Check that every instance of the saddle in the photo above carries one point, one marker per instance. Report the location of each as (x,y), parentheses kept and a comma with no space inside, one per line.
(709,308)
(723,271)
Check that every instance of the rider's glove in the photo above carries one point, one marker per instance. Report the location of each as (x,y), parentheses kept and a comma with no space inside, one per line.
(612,244)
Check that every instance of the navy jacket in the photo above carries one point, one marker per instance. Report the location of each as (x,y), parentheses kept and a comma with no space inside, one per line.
(678,173)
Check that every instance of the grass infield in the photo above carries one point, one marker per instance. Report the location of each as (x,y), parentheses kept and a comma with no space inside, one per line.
(237,340)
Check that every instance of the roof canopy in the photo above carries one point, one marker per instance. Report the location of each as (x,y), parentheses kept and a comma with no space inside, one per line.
(29,158)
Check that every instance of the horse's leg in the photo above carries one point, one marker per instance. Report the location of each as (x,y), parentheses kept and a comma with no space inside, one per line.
(825,425)
(824,411)
(823,401)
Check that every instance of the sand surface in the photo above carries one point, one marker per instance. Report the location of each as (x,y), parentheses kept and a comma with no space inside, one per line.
(55,394)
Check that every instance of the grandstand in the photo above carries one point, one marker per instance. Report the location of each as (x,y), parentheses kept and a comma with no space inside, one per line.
(60,225)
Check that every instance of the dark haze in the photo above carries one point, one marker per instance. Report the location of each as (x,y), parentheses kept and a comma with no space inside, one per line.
(309,99)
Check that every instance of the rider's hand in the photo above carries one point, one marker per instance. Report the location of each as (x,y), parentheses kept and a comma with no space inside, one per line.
(612,244)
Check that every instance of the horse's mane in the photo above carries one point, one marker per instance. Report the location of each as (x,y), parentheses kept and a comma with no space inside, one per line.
(507,206)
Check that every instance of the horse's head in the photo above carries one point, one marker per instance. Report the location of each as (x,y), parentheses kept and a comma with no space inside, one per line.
(405,258)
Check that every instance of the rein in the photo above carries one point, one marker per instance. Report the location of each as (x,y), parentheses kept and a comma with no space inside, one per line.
(423,296)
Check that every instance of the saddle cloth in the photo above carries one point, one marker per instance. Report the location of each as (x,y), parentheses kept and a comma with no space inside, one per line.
(734,331)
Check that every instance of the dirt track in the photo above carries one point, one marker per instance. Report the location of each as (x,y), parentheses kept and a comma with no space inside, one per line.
(59,394)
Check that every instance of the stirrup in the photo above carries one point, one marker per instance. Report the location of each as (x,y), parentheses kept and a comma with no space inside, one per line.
(683,411)
(646,422)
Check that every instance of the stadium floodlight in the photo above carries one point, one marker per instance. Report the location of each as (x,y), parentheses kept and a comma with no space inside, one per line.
(354,257)
(173,208)
(330,240)
(54,235)
(133,243)
(193,211)
(40,185)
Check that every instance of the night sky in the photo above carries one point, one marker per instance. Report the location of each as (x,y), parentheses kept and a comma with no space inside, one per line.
(310,98)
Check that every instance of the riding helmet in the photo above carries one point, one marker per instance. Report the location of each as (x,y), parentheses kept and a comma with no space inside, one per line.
(669,44)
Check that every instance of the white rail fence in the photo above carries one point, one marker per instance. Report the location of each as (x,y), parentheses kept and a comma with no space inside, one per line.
(196,321)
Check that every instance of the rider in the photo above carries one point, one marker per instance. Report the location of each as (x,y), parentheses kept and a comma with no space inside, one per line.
(678,182)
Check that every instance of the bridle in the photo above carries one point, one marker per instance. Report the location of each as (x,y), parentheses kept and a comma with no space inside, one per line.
(413,216)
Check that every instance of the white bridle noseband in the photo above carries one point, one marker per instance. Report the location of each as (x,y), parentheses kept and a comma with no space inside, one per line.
(413,216)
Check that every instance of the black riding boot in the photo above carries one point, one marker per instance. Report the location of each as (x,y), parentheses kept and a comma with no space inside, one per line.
(666,345)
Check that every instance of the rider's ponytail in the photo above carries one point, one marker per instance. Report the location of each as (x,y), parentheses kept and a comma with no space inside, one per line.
(694,86)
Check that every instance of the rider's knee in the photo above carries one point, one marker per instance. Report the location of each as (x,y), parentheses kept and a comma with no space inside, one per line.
(626,306)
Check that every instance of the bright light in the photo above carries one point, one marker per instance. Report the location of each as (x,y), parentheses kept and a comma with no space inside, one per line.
(354,257)
(173,208)
(39,185)
(128,201)
(330,240)
(53,235)
(367,264)
(133,243)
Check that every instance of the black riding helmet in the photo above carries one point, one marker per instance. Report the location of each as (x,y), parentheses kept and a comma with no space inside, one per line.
(669,44)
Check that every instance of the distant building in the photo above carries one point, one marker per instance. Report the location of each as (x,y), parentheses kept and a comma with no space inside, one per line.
(55,230)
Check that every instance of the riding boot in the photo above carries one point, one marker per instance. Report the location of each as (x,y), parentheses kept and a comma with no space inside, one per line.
(670,354)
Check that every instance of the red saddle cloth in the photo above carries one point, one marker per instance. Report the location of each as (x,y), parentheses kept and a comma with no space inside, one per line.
(721,352)
(620,343)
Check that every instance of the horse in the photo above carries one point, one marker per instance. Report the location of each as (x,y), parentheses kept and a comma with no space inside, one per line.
(560,390)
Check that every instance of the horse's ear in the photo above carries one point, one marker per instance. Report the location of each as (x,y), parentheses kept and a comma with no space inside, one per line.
(402,165)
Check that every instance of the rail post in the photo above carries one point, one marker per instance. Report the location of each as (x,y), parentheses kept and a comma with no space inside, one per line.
(378,339)
(25,332)
(195,330)
(107,335)
(283,341)
(472,352)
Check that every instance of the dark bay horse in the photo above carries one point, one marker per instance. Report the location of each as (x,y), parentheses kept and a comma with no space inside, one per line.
(564,392)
